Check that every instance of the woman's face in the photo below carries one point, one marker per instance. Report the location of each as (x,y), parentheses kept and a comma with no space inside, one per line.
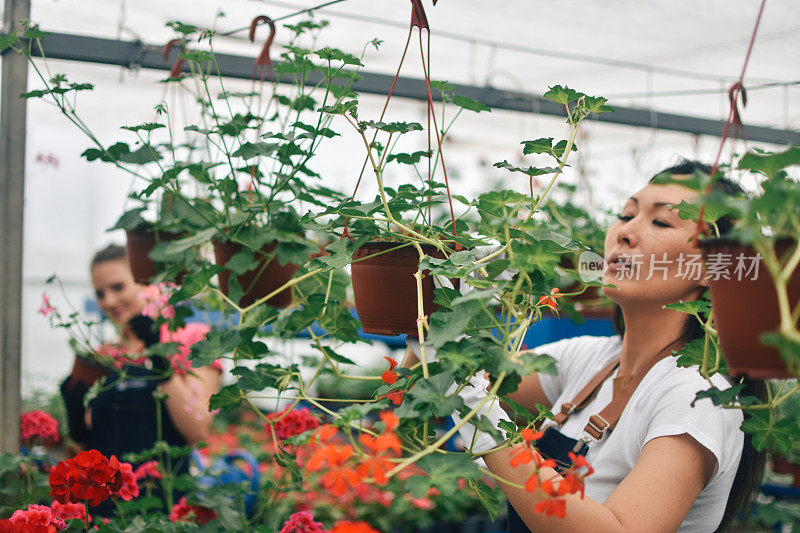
(663,266)
(117,292)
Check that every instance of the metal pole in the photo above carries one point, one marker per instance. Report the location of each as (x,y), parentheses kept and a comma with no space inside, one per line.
(14,80)
(137,54)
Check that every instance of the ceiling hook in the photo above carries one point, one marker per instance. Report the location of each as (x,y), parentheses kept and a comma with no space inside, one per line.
(177,68)
(263,60)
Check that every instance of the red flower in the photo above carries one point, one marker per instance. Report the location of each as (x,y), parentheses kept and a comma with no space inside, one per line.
(302,522)
(147,469)
(38,424)
(7,526)
(521,456)
(88,476)
(198,514)
(290,422)
(130,488)
(69,511)
(40,516)
(46,309)
(345,526)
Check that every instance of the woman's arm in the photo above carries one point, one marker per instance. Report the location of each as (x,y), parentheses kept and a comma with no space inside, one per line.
(187,402)
(655,496)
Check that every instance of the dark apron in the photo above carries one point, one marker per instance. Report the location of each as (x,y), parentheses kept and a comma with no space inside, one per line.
(124,421)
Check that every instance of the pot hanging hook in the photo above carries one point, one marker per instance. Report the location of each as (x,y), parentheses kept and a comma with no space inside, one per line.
(177,68)
(263,60)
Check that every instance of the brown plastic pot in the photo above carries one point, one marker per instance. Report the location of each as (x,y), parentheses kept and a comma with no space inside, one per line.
(746,308)
(781,466)
(259,282)
(385,289)
(140,242)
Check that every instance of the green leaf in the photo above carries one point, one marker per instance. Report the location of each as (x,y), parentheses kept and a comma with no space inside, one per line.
(470,104)
(332,54)
(392,127)
(719,397)
(447,325)
(596,104)
(215,345)
(441,85)
(429,396)
(771,434)
(335,356)
(8,40)
(259,378)
(130,219)
(147,126)
(770,163)
(227,398)
(197,56)
(195,283)
(249,150)
(408,159)
(488,498)
(692,307)
(562,95)
(530,171)
(443,473)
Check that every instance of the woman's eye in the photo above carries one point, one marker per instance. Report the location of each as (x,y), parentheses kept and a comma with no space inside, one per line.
(624,217)
(661,224)
(117,287)
(99,295)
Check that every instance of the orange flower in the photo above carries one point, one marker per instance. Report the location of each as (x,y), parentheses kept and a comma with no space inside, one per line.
(551,507)
(578,461)
(570,485)
(521,456)
(533,482)
(550,300)
(390,376)
(390,420)
(530,435)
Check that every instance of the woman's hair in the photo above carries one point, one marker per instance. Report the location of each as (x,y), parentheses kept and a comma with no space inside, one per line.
(752,465)
(111,252)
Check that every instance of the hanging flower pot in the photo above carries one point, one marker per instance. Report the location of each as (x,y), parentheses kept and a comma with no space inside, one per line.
(86,371)
(746,308)
(385,289)
(140,242)
(265,278)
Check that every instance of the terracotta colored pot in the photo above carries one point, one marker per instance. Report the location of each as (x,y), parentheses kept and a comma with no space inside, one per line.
(259,282)
(85,371)
(141,242)
(385,289)
(746,308)
(781,466)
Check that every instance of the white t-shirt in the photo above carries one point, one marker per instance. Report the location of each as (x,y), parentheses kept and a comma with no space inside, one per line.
(660,406)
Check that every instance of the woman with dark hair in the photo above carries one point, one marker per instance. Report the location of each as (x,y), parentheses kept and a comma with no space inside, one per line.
(124,417)
(662,461)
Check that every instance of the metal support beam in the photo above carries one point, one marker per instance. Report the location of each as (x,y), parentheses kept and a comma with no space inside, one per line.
(136,54)
(14,80)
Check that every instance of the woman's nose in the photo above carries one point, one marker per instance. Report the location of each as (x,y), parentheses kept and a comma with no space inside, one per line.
(628,234)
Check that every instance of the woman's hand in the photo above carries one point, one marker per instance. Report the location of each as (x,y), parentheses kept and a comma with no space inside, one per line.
(187,402)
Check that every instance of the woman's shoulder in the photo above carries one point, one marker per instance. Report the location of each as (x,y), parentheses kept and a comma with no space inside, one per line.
(586,348)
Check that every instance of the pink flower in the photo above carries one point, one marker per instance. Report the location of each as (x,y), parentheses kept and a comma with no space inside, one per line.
(37,515)
(185,337)
(69,511)
(46,309)
(291,423)
(38,424)
(148,470)
(130,488)
(156,299)
(302,522)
